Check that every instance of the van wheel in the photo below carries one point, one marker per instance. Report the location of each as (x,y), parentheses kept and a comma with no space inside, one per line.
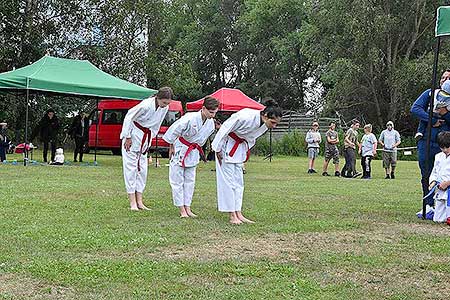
(116,151)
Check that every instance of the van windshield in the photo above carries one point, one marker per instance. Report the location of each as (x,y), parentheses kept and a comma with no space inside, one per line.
(170,118)
(113,116)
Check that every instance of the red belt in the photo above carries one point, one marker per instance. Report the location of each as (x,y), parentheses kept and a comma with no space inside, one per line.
(147,135)
(191,146)
(237,142)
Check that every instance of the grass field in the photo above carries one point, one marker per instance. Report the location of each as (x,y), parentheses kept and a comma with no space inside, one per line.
(67,233)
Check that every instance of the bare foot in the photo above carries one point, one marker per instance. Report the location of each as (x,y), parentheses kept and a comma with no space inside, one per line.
(235,222)
(184,215)
(143,207)
(134,208)
(244,219)
(190,213)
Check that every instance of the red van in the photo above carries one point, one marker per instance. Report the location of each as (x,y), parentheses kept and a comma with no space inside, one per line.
(111,113)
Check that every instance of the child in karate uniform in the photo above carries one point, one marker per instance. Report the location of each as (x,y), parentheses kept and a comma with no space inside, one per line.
(440,178)
(232,145)
(141,123)
(186,137)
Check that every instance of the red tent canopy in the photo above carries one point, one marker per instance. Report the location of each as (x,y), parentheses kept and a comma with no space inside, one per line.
(230,100)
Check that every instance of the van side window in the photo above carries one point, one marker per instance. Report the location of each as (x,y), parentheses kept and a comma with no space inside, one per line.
(113,116)
(93,117)
(170,118)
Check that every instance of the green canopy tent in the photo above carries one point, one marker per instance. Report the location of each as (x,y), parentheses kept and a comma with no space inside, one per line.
(71,77)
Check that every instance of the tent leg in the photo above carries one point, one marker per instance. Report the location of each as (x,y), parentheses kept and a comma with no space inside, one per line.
(270,145)
(156,150)
(430,116)
(96,131)
(25,158)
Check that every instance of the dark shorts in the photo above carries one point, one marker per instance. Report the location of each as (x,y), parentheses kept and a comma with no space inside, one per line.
(332,153)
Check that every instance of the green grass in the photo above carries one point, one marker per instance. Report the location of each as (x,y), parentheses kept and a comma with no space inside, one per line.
(67,233)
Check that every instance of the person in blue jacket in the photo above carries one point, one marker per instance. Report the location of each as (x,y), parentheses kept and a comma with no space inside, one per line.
(440,122)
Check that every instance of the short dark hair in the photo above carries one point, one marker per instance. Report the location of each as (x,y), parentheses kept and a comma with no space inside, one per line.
(210,102)
(272,109)
(355,121)
(164,93)
(443,139)
(332,122)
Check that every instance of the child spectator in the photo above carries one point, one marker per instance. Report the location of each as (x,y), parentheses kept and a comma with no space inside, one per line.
(440,178)
(313,139)
(367,149)
(331,150)
(350,143)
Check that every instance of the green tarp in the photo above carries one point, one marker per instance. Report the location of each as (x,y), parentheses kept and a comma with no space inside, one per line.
(69,76)
(443,21)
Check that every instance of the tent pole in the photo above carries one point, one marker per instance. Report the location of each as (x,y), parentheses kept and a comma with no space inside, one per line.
(25,159)
(270,145)
(430,117)
(156,150)
(96,130)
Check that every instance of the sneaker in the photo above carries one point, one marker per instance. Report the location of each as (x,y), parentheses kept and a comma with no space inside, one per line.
(357,174)
(418,136)
(309,171)
(325,174)
(392,176)
(313,171)
(366,177)
(337,174)
(387,176)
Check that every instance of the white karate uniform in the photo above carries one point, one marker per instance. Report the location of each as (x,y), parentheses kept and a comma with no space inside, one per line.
(182,179)
(145,114)
(246,124)
(441,173)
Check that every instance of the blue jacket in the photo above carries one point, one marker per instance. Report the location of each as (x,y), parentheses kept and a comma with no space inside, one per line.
(419,109)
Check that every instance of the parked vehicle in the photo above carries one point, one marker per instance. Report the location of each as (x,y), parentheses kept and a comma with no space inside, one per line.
(111,114)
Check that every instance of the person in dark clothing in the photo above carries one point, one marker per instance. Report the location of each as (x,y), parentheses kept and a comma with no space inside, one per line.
(4,142)
(79,131)
(47,129)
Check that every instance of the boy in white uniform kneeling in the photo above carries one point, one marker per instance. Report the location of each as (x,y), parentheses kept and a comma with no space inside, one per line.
(186,137)
(440,178)
(232,145)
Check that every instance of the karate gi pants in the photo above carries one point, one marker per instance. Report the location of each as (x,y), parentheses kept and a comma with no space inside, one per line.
(441,211)
(134,180)
(230,186)
(182,181)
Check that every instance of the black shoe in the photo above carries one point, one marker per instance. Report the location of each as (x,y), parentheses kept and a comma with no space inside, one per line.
(325,174)
(357,174)
(313,171)
(387,176)
(392,176)
(309,171)
(337,174)
(75,160)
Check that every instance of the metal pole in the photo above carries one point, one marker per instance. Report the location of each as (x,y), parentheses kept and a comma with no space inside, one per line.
(25,159)
(270,145)
(96,131)
(156,150)
(430,117)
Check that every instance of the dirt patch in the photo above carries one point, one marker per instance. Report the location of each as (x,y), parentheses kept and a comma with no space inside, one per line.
(19,287)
